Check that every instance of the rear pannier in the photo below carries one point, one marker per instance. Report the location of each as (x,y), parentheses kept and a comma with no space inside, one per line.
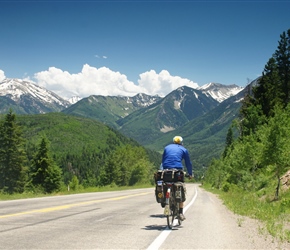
(169,175)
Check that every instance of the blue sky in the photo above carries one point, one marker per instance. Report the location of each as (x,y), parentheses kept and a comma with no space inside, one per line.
(124,47)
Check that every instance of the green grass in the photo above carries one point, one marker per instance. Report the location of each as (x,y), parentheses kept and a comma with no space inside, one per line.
(274,214)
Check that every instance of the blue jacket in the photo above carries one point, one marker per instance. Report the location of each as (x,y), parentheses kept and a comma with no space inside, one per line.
(173,155)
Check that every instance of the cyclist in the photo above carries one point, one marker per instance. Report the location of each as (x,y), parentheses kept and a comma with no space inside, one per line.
(172,157)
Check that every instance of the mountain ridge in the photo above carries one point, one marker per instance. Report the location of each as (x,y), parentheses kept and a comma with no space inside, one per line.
(27,97)
(199,115)
(169,113)
(211,89)
(219,91)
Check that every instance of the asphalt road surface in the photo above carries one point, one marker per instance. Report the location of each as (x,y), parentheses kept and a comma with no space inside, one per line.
(129,219)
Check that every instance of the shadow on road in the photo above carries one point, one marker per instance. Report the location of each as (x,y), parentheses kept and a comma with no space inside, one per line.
(159,227)
(157,215)
(155,227)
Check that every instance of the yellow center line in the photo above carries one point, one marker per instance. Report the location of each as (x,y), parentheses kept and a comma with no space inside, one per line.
(50,209)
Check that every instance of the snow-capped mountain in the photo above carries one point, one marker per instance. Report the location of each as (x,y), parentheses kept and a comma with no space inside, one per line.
(26,97)
(74,99)
(29,97)
(143,100)
(219,91)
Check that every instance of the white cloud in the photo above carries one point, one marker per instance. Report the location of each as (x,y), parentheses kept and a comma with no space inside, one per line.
(103,81)
(2,75)
(90,81)
(162,83)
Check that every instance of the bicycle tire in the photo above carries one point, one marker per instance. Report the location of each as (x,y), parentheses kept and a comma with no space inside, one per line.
(170,217)
(173,211)
(177,214)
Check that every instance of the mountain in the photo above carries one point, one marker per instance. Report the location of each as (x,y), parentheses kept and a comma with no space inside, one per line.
(171,112)
(116,110)
(109,109)
(141,117)
(205,135)
(202,116)
(219,91)
(74,99)
(25,97)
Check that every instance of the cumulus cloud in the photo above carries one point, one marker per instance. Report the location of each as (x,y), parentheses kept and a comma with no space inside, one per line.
(2,75)
(90,81)
(103,81)
(162,83)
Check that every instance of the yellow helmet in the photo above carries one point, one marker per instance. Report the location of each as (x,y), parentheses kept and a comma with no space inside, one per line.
(177,139)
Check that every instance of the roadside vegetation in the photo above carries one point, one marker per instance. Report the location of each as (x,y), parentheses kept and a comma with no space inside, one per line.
(274,215)
(248,175)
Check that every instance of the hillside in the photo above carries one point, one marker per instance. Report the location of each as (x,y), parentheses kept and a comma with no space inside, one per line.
(79,145)
(173,111)
(205,136)
(68,133)
(109,109)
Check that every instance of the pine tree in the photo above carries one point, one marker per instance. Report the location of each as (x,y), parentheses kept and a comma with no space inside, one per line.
(268,92)
(229,142)
(273,88)
(251,116)
(282,57)
(45,173)
(12,156)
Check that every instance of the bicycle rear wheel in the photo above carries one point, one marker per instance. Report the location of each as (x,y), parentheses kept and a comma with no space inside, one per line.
(177,214)
(172,212)
(170,219)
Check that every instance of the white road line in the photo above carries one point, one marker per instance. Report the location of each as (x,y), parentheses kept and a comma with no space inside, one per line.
(163,235)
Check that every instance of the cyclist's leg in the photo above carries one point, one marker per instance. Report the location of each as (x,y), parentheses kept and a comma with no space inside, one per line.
(181,215)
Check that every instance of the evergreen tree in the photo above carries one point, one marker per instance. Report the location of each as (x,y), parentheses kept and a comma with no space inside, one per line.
(272,89)
(282,57)
(12,156)
(229,141)
(45,173)
(268,92)
(251,116)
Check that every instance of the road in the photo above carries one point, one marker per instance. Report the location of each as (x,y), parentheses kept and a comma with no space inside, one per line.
(124,220)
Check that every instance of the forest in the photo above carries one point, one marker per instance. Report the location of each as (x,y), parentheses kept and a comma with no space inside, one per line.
(251,174)
(258,142)
(52,152)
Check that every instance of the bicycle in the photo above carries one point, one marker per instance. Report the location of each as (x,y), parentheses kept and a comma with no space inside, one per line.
(172,199)
(169,192)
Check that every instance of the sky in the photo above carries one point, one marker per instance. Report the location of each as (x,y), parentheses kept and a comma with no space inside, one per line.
(80,48)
